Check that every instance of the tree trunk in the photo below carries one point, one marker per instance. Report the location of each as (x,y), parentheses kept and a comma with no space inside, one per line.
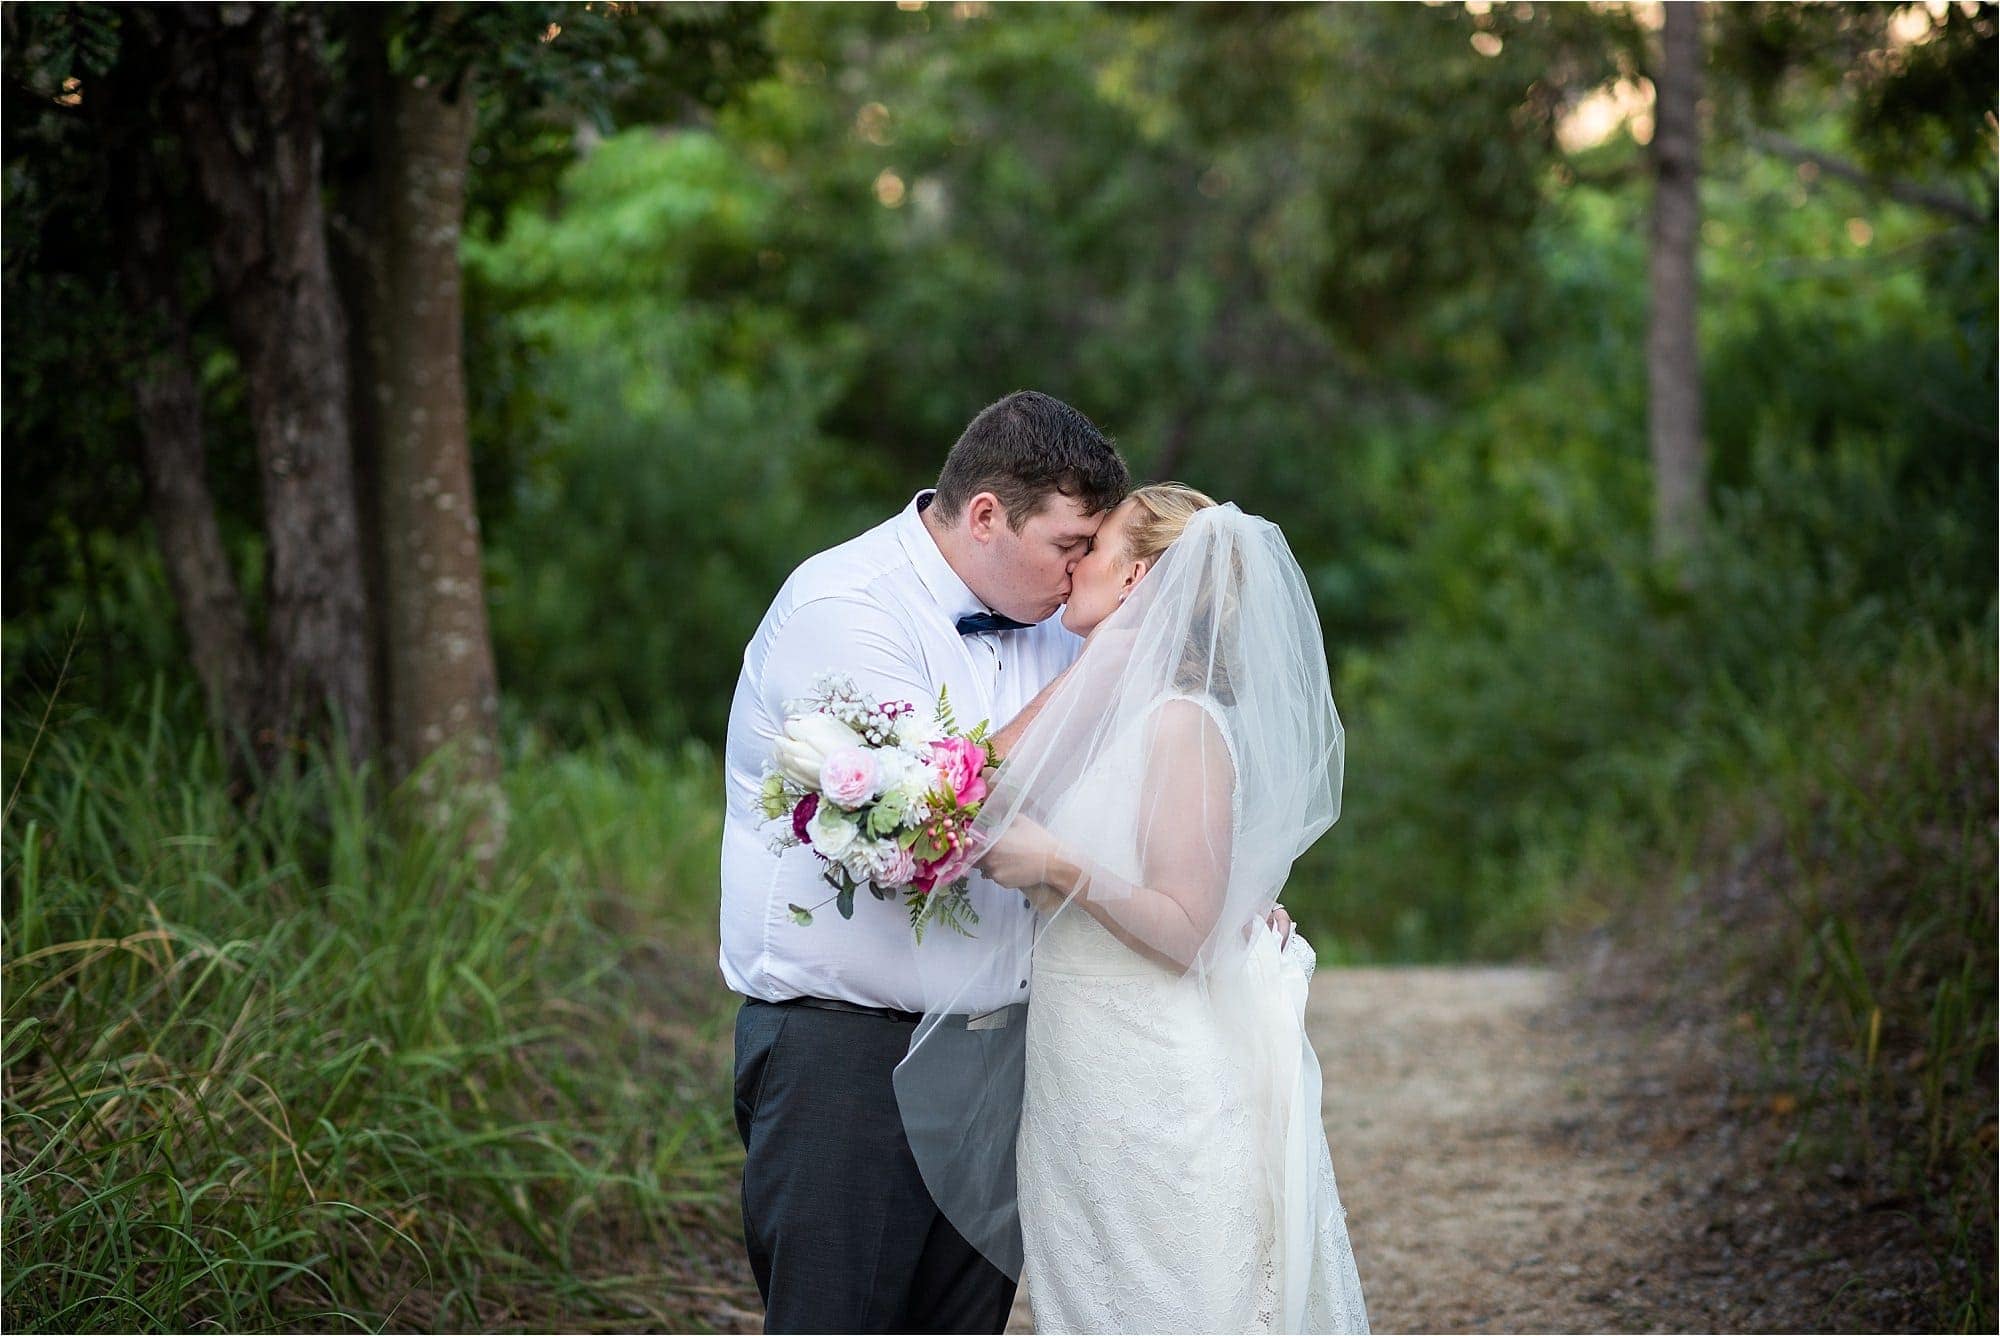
(166,399)
(1680,464)
(248,83)
(173,455)
(354,229)
(439,655)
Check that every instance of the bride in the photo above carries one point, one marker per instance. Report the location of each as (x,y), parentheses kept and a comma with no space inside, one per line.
(1156,1110)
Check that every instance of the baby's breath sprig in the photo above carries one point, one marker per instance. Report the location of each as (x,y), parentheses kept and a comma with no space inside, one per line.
(835,694)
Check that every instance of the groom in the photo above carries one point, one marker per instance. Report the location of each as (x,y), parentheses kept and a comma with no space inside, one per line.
(959,590)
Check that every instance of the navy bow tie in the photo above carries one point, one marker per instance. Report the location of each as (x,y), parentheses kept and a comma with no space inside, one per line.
(980,622)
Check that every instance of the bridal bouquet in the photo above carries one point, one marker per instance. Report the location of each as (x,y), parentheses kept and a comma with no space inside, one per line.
(885,795)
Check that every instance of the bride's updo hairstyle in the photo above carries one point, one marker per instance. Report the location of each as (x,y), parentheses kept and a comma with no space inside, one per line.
(1164,511)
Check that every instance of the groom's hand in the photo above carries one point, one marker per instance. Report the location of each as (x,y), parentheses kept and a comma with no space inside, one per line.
(1281,923)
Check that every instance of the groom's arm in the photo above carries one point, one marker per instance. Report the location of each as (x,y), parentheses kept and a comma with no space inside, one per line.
(845,635)
(862,639)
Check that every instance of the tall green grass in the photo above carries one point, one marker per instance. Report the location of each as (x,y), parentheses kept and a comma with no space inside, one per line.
(268,1067)
(1830,887)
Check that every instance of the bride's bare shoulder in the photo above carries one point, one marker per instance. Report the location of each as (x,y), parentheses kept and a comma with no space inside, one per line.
(1187,725)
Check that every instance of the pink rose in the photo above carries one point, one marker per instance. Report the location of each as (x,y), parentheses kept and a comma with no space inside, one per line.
(802,816)
(951,867)
(957,859)
(901,870)
(849,776)
(958,762)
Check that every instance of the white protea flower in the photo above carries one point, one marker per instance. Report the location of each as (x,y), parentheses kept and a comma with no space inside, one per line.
(808,740)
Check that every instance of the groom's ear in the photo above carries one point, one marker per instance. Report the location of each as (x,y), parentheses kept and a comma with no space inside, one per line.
(984,515)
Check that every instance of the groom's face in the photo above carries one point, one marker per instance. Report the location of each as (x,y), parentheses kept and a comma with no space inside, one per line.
(1027,574)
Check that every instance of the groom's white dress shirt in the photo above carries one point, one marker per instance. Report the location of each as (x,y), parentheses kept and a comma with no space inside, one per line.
(881,608)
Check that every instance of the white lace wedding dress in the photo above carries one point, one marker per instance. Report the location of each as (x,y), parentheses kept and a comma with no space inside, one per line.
(1173,1169)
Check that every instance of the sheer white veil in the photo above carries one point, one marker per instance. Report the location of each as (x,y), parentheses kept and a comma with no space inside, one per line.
(1191,754)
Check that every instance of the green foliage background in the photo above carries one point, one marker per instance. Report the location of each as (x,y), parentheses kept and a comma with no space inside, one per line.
(1345,302)
(1336,264)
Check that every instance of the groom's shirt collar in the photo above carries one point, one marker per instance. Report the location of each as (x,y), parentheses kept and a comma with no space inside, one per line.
(954,597)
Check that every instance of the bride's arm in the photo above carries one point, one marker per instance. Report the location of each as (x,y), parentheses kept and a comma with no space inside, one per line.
(1185,833)
(1153,923)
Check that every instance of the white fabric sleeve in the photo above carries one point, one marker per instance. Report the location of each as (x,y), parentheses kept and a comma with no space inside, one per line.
(841,633)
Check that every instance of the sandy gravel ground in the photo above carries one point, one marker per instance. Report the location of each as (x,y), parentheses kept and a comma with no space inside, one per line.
(1453,1098)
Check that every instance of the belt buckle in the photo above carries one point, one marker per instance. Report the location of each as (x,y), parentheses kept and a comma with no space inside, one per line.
(996,1019)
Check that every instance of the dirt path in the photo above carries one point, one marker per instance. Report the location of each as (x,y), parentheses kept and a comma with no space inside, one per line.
(1453,1097)
(1521,1149)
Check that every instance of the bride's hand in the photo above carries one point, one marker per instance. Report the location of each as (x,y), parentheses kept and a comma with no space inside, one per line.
(1026,856)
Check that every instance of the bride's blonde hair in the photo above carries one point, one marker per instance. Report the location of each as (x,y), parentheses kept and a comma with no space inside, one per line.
(1164,511)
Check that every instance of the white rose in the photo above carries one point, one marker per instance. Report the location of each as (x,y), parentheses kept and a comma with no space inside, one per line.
(806,743)
(832,830)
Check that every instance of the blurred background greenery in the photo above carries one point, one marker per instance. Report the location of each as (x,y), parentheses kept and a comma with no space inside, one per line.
(733,279)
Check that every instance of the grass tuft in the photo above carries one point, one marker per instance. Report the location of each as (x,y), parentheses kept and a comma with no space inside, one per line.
(267,1067)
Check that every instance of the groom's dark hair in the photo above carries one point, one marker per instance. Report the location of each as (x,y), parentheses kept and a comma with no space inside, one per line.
(1026,448)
